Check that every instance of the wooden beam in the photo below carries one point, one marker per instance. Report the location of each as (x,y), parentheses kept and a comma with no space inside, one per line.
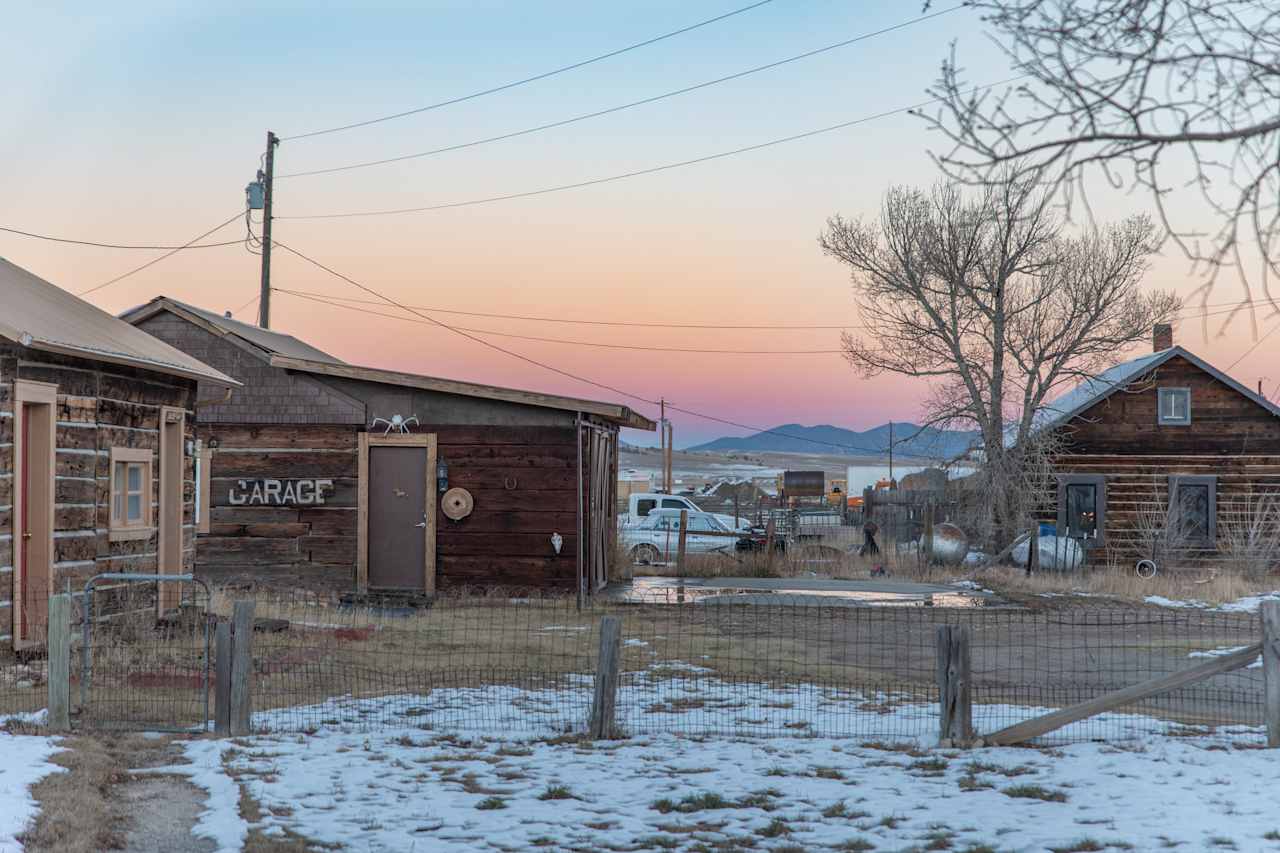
(242,667)
(1271,669)
(362,517)
(59,647)
(680,545)
(955,706)
(605,698)
(1029,729)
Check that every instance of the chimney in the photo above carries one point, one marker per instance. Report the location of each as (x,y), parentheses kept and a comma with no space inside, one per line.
(1161,337)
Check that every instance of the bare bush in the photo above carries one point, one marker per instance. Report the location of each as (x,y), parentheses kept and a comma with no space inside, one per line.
(1249,533)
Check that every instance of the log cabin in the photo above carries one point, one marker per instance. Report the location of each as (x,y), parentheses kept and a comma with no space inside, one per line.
(96,424)
(1166,457)
(327,476)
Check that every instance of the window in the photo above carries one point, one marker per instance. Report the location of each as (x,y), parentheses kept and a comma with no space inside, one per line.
(1082,507)
(130,494)
(700,525)
(1175,406)
(674,503)
(646,506)
(1194,503)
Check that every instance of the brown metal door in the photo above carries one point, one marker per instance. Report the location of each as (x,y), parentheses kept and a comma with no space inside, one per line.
(34,516)
(397,516)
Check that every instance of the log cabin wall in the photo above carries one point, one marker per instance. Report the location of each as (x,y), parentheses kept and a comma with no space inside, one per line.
(99,406)
(1230,437)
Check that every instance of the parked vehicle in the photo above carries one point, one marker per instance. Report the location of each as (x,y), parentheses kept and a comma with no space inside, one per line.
(656,538)
(641,504)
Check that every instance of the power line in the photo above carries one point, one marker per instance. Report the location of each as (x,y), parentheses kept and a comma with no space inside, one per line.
(246,305)
(529,318)
(570,343)
(168,254)
(610,110)
(19,232)
(544,75)
(457,331)
(648,171)
(1256,344)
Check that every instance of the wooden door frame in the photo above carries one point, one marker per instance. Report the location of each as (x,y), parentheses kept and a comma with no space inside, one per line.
(27,392)
(366,441)
(171,417)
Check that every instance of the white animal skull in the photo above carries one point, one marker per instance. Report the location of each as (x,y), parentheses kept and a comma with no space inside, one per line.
(399,423)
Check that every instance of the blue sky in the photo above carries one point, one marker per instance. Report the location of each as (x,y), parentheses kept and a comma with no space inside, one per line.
(143,122)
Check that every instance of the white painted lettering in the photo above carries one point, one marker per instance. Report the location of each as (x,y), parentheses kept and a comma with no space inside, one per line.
(271,491)
(304,494)
(321,485)
(289,496)
(255,497)
(237,498)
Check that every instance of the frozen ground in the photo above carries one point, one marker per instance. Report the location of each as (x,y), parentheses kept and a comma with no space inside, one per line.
(24,760)
(410,787)
(1248,604)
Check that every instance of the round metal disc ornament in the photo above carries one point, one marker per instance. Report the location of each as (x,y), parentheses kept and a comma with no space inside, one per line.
(457,504)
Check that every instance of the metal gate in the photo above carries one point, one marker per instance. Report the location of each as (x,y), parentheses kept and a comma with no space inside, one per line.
(142,667)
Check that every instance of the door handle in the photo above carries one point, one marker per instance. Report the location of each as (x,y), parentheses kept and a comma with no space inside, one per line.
(421,524)
(26,536)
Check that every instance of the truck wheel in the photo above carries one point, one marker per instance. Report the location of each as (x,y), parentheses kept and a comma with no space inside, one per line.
(645,555)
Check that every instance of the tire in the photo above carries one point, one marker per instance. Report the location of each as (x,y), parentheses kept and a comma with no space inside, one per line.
(645,555)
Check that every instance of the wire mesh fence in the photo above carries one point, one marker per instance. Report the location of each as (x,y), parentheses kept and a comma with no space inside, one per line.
(511,662)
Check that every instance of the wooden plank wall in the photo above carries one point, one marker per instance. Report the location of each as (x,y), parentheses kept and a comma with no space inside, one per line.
(99,406)
(1138,494)
(1223,421)
(522,479)
(309,547)
(524,483)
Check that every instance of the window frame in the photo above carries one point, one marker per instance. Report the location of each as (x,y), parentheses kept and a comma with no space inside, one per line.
(1099,482)
(120,529)
(1175,505)
(1161,394)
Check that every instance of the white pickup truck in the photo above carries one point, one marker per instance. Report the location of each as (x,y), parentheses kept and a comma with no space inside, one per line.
(643,503)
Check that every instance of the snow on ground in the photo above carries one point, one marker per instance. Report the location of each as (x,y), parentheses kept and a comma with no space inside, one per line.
(1248,604)
(24,760)
(220,821)
(1217,653)
(411,785)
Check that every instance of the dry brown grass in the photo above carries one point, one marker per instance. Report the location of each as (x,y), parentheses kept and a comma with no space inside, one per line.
(81,810)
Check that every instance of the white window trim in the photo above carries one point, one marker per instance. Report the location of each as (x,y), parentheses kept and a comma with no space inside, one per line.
(118,529)
(1160,416)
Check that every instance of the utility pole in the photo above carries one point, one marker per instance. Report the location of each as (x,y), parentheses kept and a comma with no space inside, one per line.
(891,454)
(266,176)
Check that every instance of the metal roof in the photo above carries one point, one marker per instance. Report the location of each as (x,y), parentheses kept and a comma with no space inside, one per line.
(613,412)
(1093,391)
(268,341)
(42,316)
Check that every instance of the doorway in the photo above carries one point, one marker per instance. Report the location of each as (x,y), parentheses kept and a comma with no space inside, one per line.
(34,448)
(396,547)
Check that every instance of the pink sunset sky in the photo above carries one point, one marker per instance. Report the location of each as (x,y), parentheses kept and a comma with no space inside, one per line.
(143,124)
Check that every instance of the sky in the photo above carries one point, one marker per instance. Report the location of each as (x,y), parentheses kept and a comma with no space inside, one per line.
(141,123)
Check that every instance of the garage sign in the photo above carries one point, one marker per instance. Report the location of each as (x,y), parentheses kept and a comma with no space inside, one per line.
(279,492)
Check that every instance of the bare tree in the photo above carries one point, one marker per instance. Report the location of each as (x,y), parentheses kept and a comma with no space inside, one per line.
(1157,95)
(987,299)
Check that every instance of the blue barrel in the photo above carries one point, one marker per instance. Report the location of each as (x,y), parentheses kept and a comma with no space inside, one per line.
(1048,528)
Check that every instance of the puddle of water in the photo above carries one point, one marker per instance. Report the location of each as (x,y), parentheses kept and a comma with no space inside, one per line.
(667,591)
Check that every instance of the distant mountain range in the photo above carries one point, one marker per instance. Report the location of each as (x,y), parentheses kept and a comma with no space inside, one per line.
(908,440)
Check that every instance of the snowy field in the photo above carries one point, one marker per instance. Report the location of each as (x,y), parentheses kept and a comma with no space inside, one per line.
(24,760)
(413,788)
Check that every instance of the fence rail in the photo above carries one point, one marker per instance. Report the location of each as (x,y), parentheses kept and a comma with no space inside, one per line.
(517,662)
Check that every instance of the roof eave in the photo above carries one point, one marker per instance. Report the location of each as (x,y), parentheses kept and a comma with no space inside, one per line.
(129,361)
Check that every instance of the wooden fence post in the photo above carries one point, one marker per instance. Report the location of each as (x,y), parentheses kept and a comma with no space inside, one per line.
(222,679)
(604,701)
(59,648)
(955,707)
(1033,548)
(928,533)
(769,532)
(684,532)
(1271,669)
(241,693)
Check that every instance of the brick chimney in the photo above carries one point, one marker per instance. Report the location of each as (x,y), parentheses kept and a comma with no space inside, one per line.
(1161,337)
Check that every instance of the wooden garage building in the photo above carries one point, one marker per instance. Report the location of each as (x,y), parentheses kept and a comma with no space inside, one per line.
(319,474)
(96,421)
(1166,457)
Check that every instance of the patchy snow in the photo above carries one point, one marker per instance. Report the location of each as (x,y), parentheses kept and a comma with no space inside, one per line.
(1217,653)
(964,583)
(24,760)
(220,821)
(1248,604)
(409,787)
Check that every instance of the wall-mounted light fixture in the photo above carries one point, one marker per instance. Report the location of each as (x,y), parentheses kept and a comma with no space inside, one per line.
(442,475)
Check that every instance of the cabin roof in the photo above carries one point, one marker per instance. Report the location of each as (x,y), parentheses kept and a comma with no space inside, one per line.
(1096,389)
(613,412)
(267,341)
(43,316)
